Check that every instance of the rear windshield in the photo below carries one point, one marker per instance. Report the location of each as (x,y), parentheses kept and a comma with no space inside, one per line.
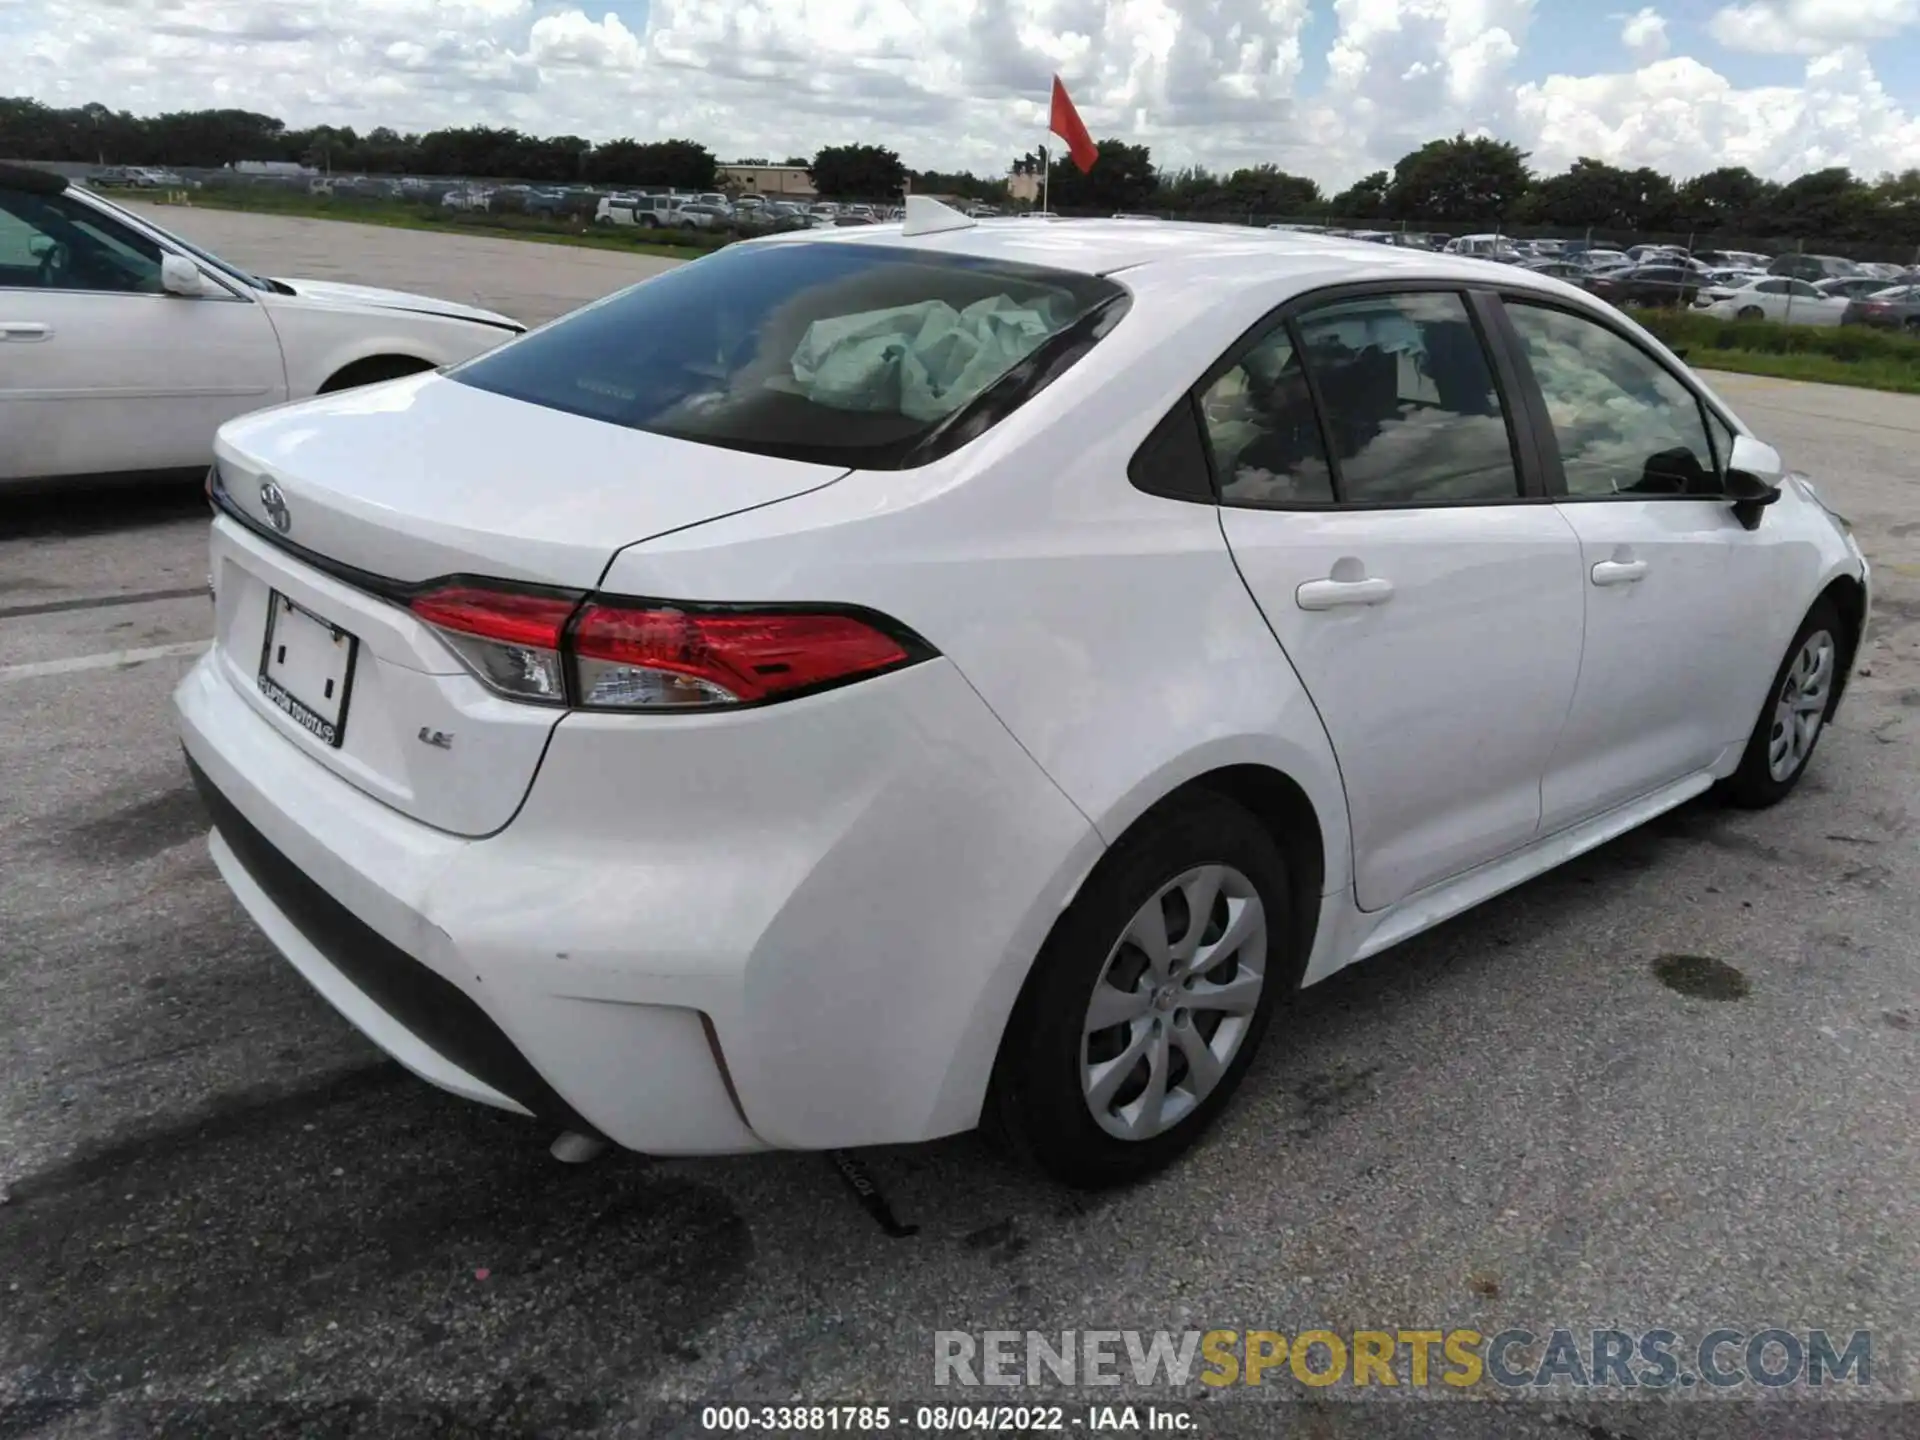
(868,356)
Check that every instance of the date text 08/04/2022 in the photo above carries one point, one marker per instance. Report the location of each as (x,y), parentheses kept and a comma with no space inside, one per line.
(969,1419)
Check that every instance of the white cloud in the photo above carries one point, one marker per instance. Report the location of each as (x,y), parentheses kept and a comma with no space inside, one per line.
(963,83)
(1682,118)
(1810,27)
(1645,35)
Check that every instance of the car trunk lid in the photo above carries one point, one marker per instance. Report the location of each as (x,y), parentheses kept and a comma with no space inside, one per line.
(339,511)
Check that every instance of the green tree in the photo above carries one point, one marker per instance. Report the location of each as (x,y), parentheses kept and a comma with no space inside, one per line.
(1827,204)
(1731,198)
(666,164)
(1594,193)
(858,172)
(1365,199)
(1459,180)
(1121,179)
(1269,190)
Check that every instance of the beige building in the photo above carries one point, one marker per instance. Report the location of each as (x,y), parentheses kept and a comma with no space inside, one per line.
(790,180)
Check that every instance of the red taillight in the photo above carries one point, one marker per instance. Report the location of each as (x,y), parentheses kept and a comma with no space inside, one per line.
(662,658)
(652,657)
(510,639)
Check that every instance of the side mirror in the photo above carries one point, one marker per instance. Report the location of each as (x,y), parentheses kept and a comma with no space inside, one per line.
(1754,472)
(1750,494)
(181,276)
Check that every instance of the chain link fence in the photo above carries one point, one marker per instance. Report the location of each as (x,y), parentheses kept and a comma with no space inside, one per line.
(517,204)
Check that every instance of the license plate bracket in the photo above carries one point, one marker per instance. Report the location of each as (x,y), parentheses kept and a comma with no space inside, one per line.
(306,668)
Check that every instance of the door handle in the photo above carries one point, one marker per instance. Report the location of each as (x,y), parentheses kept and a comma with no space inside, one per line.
(24,330)
(1619,572)
(1326,594)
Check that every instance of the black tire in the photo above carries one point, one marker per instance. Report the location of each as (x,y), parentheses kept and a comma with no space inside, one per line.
(371,372)
(1754,786)
(1750,312)
(1037,1105)
(1913,324)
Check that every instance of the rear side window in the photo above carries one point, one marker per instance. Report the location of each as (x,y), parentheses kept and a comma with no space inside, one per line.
(1262,431)
(867,356)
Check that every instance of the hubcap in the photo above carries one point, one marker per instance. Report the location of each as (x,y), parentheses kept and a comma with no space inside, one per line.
(1801,707)
(1173,1002)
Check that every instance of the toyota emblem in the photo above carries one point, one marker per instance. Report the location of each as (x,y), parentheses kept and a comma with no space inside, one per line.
(275,504)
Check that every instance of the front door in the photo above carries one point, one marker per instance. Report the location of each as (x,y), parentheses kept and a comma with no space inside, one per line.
(101,371)
(1671,577)
(1432,611)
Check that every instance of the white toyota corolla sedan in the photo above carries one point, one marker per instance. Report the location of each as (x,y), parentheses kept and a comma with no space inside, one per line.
(123,348)
(867,684)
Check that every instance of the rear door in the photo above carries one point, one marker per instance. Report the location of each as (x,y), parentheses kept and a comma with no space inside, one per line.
(100,369)
(1375,494)
(1670,576)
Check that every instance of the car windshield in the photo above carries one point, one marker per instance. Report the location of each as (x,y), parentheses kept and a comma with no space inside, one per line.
(840,354)
(214,261)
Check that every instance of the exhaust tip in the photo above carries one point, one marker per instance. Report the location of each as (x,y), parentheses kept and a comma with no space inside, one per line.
(573,1148)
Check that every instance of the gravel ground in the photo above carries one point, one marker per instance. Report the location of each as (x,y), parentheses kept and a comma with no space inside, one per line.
(224,1213)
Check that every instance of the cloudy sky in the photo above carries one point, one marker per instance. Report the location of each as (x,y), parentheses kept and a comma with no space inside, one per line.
(1327,88)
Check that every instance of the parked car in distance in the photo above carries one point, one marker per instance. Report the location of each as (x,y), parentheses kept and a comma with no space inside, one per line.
(1567,270)
(653,211)
(1774,297)
(1484,247)
(1603,259)
(1651,284)
(1895,308)
(1812,267)
(620,781)
(1734,259)
(127,346)
(1852,287)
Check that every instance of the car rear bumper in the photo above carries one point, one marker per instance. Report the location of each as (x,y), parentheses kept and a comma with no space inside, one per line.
(802,926)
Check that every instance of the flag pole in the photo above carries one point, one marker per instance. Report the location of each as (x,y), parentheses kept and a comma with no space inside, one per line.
(1046,175)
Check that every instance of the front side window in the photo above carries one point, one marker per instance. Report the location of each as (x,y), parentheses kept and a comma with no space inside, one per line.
(55,242)
(851,355)
(1625,424)
(1410,403)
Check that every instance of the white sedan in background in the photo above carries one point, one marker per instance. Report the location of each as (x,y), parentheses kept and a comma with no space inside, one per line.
(123,347)
(869,682)
(1772,297)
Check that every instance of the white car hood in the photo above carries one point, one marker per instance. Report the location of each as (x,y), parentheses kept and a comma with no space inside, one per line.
(333,295)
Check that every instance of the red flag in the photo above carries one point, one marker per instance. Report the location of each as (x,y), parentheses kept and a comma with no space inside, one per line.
(1067,125)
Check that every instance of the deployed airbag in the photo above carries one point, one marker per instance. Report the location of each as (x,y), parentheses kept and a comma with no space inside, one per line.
(923,361)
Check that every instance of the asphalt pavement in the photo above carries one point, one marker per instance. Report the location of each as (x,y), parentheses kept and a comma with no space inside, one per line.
(223,1212)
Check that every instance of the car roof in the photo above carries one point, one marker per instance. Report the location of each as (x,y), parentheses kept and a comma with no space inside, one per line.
(1168,249)
(34,182)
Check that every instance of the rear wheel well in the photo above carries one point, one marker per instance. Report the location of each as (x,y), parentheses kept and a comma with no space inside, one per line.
(1849,597)
(372,369)
(1283,810)
(1278,805)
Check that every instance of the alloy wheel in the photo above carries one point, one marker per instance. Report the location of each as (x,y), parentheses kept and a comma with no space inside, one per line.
(1801,707)
(1173,1002)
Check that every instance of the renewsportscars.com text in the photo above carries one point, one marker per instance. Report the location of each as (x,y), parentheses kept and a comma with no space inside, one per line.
(1655,1359)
